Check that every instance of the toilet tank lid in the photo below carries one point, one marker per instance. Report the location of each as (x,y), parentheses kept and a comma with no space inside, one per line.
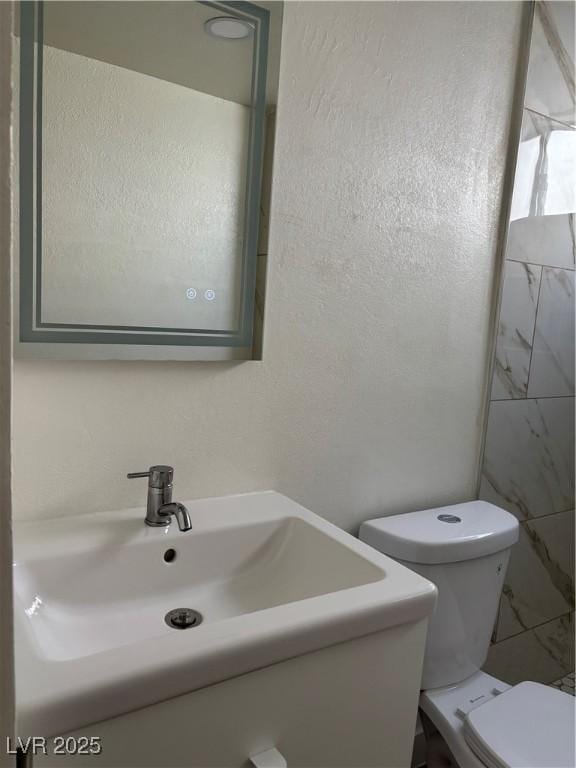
(443,534)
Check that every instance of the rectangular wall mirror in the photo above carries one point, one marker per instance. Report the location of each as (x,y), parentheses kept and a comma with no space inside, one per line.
(143,128)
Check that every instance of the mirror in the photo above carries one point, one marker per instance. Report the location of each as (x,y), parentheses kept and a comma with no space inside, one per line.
(142,135)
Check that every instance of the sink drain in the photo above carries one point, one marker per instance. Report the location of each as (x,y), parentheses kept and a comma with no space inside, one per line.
(183,618)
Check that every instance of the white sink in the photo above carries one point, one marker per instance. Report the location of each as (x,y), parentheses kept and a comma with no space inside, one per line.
(270,579)
(83,603)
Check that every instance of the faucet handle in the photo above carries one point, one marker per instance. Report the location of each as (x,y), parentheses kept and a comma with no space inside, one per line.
(160,476)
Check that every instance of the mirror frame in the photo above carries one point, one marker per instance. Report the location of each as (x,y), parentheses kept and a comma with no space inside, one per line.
(46,337)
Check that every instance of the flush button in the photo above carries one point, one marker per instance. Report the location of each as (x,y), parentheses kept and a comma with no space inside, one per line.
(449,519)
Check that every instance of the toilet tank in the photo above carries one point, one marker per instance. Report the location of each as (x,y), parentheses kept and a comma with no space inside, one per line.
(464,549)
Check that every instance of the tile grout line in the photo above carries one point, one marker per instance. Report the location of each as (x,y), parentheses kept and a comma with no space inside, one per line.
(548,514)
(534,264)
(525,399)
(536,626)
(534,331)
(551,119)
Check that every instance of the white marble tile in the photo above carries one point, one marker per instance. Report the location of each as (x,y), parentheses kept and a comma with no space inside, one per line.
(548,240)
(550,83)
(543,187)
(539,583)
(556,639)
(542,654)
(552,366)
(529,456)
(515,330)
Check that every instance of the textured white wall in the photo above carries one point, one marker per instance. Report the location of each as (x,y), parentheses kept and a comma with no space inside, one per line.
(143,197)
(392,128)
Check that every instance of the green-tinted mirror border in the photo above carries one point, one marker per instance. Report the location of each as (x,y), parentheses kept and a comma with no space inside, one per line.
(31,327)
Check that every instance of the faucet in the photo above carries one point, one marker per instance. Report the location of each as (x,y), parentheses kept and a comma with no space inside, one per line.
(160,507)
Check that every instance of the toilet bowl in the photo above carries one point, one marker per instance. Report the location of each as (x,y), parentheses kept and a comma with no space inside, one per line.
(473,720)
(488,724)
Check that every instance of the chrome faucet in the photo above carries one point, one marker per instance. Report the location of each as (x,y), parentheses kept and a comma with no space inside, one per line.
(160,507)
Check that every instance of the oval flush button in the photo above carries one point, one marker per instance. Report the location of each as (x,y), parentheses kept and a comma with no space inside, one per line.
(449,519)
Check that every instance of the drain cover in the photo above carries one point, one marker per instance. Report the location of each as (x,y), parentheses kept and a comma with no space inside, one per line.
(183,618)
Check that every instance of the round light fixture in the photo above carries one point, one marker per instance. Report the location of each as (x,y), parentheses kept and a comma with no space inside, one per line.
(229,27)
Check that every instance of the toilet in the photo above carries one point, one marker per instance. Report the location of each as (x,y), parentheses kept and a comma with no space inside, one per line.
(471,719)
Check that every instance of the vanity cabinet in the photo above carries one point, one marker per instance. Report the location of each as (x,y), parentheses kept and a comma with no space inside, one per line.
(348,705)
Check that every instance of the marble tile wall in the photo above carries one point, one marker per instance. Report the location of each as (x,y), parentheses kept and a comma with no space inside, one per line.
(516,329)
(542,654)
(550,82)
(528,463)
(552,366)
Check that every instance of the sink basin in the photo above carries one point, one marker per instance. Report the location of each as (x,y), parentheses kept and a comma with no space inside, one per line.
(270,579)
(84,603)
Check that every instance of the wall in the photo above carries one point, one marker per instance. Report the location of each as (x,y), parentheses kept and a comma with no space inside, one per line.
(529,458)
(393,122)
(6,635)
(129,200)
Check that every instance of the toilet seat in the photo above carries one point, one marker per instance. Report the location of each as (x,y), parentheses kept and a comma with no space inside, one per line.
(488,724)
(528,725)
(447,707)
